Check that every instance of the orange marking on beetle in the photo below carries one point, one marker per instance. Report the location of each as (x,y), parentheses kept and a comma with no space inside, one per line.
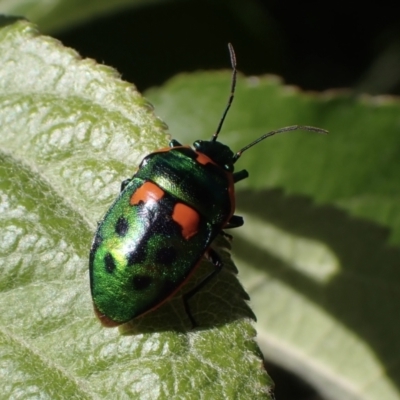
(187,218)
(203,159)
(165,149)
(147,192)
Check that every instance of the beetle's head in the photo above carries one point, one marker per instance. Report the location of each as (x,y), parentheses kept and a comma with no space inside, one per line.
(220,153)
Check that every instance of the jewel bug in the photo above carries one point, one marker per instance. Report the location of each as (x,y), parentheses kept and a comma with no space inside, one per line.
(163,223)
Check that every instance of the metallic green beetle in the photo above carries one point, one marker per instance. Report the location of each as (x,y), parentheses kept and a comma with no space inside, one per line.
(163,223)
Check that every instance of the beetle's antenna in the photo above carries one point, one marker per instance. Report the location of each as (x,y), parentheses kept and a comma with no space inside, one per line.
(272,133)
(233,86)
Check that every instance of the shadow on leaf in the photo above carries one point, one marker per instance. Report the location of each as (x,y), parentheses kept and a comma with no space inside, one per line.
(363,293)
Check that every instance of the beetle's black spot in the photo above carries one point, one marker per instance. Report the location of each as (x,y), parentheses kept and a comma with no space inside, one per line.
(162,223)
(109,263)
(166,255)
(122,226)
(141,282)
(137,256)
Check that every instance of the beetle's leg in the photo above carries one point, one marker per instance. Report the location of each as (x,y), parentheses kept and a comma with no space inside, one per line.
(214,258)
(238,176)
(234,222)
(227,235)
(174,143)
(124,184)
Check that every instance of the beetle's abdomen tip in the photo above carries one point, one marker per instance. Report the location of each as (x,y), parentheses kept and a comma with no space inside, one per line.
(104,320)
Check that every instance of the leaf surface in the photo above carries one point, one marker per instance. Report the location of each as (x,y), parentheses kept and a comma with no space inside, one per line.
(71,131)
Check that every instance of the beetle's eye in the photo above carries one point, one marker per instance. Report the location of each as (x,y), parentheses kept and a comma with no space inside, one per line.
(228,167)
(122,226)
(197,144)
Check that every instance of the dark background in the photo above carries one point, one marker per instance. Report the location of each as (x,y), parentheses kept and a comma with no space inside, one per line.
(314,45)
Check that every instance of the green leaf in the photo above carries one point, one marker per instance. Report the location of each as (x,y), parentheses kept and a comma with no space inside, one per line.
(70,132)
(321,217)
